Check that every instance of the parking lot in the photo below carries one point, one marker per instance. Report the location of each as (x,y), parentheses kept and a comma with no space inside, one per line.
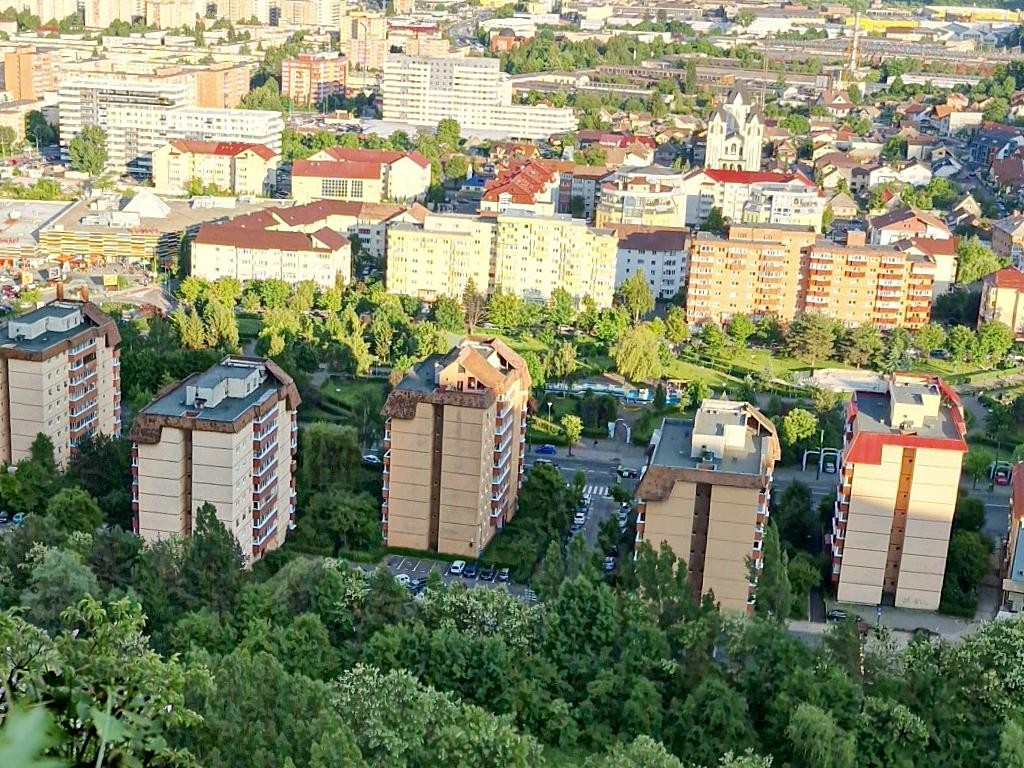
(421,568)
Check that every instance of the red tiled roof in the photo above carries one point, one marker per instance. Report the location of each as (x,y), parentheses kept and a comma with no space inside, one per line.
(644,238)
(523,183)
(933,246)
(753,177)
(381,156)
(226,234)
(1007,277)
(333,169)
(225,148)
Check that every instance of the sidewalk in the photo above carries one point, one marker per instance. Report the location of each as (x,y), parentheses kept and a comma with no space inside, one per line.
(607,451)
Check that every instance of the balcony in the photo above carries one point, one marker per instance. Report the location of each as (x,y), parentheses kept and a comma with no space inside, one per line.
(75,397)
(258,489)
(266,536)
(259,471)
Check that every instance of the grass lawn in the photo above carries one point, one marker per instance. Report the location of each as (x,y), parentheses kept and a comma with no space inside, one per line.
(249,327)
(684,371)
(350,393)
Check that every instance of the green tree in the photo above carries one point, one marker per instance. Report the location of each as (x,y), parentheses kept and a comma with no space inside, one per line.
(88,150)
(714,223)
(974,260)
(226,290)
(474,303)
(572,426)
(220,325)
(505,310)
(456,167)
(382,335)
(74,510)
(189,327)
(811,336)
(740,328)
(976,463)
(676,329)
(817,741)
(861,345)
(448,133)
(560,309)
(562,362)
(551,572)
(447,313)
(577,207)
(929,337)
(774,593)
(1011,745)
(960,342)
(993,341)
(712,719)
(797,426)
(714,339)
(966,565)
(636,354)
(192,289)
(635,295)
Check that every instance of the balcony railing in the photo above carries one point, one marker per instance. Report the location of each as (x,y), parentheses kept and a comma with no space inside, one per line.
(265,484)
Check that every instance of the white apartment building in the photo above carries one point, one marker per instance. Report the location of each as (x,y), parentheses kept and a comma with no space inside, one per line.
(781,203)
(139,116)
(659,253)
(475,92)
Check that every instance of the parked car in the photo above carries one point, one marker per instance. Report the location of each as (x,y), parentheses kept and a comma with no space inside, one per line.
(370,460)
(403,579)
(457,567)
(503,575)
(623,519)
(416,585)
(544,463)
(627,472)
(4,518)
(609,564)
(579,519)
(471,570)
(546,450)
(488,572)
(838,614)
(19,518)
(828,467)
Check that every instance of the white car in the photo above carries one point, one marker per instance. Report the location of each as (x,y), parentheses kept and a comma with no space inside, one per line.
(371,460)
(457,567)
(403,579)
(580,519)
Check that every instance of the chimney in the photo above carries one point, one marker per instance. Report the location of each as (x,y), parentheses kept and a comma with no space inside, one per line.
(855,237)
(83,293)
(60,291)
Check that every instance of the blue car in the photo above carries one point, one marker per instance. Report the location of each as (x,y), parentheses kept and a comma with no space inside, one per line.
(546,450)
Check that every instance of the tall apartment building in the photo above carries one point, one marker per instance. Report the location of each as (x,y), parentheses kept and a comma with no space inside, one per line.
(222,85)
(1012,571)
(784,271)
(99,14)
(527,255)
(898,485)
(226,437)
(417,39)
(660,254)
(1002,299)
(240,169)
(475,92)
(731,191)
(779,203)
(48,9)
(649,197)
(140,115)
(60,375)
(454,440)
(705,493)
(310,78)
(363,39)
(30,72)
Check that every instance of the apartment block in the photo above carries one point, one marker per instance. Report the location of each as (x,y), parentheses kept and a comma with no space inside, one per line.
(1002,299)
(1012,571)
(222,85)
(363,39)
(454,440)
(784,271)
(1008,238)
(474,91)
(240,169)
(775,203)
(30,72)
(899,478)
(730,191)
(310,78)
(140,115)
(705,492)
(527,255)
(649,197)
(661,254)
(60,375)
(417,39)
(361,175)
(226,437)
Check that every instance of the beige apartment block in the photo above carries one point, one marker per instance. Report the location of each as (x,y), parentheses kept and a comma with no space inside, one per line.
(222,85)
(524,254)
(309,78)
(226,437)
(1002,299)
(363,38)
(454,440)
(898,485)
(30,72)
(235,167)
(705,493)
(60,375)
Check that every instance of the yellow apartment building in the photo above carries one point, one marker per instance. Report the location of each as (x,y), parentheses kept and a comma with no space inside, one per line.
(454,439)
(227,437)
(898,484)
(1002,299)
(524,254)
(236,167)
(1008,238)
(642,199)
(60,375)
(786,270)
(705,493)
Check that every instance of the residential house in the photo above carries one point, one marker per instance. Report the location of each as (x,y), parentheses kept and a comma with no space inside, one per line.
(902,223)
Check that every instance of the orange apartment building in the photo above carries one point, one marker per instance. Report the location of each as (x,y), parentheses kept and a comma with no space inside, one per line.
(222,85)
(705,492)
(30,72)
(309,78)
(898,484)
(226,436)
(454,440)
(785,270)
(60,375)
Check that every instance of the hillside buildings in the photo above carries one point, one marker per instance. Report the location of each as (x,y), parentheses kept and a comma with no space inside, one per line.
(898,487)
(785,271)
(60,375)
(234,167)
(705,493)
(361,175)
(226,437)
(529,256)
(473,91)
(311,78)
(735,135)
(650,197)
(454,440)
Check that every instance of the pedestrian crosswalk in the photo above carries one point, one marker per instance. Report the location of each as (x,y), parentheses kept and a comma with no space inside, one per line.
(595,490)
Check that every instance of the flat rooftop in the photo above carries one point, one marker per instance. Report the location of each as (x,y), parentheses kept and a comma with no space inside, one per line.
(173,403)
(49,338)
(22,220)
(420,377)
(676,444)
(873,415)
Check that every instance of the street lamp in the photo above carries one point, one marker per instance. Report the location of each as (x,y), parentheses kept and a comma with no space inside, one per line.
(549,410)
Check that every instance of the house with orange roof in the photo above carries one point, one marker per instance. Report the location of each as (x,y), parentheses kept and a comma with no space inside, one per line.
(233,167)
(902,223)
(531,186)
